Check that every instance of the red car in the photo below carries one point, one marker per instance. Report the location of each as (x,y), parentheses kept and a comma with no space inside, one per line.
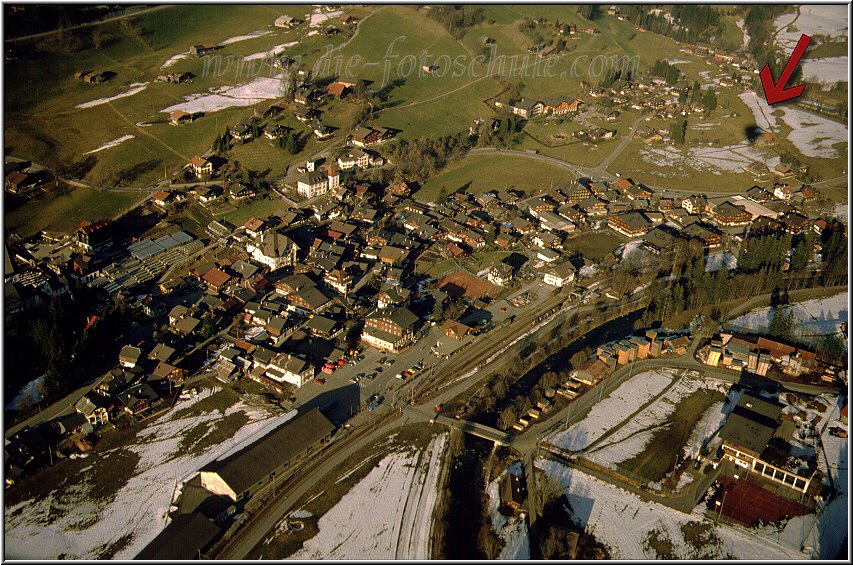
(341,363)
(319,381)
(501,309)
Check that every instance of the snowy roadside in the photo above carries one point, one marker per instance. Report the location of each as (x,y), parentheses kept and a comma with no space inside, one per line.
(386,515)
(68,521)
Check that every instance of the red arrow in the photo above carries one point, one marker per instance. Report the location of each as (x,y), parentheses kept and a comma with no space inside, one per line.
(776,91)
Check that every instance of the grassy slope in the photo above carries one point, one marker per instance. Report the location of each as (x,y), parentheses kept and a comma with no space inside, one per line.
(486,173)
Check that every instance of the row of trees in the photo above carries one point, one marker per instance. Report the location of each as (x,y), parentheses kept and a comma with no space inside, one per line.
(668,72)
(690,23)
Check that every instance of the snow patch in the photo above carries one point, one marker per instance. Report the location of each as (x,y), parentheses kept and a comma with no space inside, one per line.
(224,97)
(109,144)
(252,35)
(135,88)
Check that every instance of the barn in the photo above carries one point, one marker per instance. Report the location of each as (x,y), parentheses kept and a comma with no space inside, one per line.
(246,472)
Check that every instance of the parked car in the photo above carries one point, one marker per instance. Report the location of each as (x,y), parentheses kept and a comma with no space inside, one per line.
(319,381)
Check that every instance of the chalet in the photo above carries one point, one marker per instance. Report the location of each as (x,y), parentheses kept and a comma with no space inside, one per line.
(729,214)
(560,275)
(659,240)
(200,50)
(286,21)
(709,238)
(511,492)
(210,193)
(175,78)
(694,204)
(783,191)
(500,274)
(310,300)
(216,279)
(352,159)
(391,331)
(277,132)
(795,223)
(525,108)
(339,279)
(201,166)
(392,296)
(289,369)
(307,115)
(178,117)
(560,106)
(129,356)
(630,224)
(18,181)
(138,398)
(322,132)
(365,137)
(315,183)
(273,249)
(96,237)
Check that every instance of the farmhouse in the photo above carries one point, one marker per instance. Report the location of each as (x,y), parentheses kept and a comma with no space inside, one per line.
(245,473)
(525,107)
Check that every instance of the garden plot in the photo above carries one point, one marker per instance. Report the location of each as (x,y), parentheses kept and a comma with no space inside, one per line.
(632,438)
(247,94)
(626,524)
(819,316)
(513,531)
(613,409)
(813,135)
(135,88)
(73,522)
(387,515)
(714,160)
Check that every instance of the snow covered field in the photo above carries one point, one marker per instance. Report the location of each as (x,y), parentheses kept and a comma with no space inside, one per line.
(174,59)
(276,50)
(622,521)
(818,316)
(715,160)
(813,135)
(317,17)
(69,522)
(387,515)
(829,70)
(246,94)
(112,143)
(513,531)
(608,413)
(817,19)
(632,438)
(135,88)
(252,35)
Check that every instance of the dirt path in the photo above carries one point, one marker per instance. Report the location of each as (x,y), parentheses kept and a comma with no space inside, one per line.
(89,24)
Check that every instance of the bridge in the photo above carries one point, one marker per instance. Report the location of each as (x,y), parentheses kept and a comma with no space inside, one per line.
(473,428)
